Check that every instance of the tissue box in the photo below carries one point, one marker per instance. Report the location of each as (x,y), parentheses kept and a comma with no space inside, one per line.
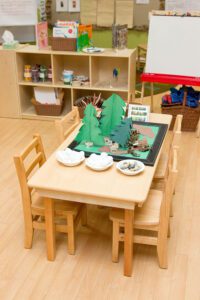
(10,46)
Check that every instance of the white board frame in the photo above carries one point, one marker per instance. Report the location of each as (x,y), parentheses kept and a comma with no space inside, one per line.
(173,46)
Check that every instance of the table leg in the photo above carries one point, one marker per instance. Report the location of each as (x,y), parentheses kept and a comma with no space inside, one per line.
(152,92)
(50,228)
(128,242)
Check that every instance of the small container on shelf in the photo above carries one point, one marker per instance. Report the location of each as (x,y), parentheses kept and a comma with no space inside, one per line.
(27,73)
(67,77)
(43,73)
(49,74)
(35,73)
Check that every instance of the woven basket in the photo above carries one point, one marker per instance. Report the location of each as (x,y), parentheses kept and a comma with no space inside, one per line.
(48,109)
(62,44)
(190,115)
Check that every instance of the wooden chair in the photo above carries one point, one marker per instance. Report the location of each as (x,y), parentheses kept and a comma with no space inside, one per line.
(161,170)
(152,217)
(67,124)
(141,57)
(32,157)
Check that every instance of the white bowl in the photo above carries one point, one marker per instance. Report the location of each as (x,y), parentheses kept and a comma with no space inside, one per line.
(129,172)
(68,162)
(93,167)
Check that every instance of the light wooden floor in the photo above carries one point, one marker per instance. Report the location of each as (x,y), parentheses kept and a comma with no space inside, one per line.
(90,274)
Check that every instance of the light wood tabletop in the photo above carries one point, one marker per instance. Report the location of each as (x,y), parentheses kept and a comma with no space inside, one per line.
(109,188)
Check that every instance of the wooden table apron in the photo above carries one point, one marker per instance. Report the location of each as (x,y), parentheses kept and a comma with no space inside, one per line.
(80,184)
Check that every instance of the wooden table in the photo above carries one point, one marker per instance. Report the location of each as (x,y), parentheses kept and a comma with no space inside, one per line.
(80,184)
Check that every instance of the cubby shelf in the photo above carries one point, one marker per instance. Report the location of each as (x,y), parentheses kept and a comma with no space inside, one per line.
(98,67)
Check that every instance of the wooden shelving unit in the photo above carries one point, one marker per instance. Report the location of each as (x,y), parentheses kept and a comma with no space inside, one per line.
(98,67)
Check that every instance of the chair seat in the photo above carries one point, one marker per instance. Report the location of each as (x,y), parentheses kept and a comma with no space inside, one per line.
(61,206)
(147,215)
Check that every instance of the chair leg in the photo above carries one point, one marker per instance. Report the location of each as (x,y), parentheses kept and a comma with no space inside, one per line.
(84,215)
(71,234)
(115,242)
(162,249)
(28,235)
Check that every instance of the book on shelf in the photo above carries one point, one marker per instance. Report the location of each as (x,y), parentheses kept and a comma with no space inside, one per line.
(41,30)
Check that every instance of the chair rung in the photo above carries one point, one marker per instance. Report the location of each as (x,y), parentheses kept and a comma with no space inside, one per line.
(140,239)
(61,228)
(145,240)
(36,160)
(38,225)
(29,148)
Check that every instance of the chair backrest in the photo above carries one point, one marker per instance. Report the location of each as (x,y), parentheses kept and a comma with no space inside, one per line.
(170,181)
(177,130)
(67,124)
(32,156)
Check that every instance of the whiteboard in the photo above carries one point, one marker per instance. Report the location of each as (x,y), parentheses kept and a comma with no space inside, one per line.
(174,46)
(182,5)
(18,12)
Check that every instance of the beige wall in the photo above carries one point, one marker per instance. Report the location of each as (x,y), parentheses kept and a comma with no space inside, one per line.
(141,12)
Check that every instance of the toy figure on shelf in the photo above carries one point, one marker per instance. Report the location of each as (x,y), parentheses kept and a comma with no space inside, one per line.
(116,72)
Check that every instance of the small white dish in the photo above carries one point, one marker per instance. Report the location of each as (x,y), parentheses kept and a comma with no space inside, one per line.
(95,168)
(99,162)
(121,166)
(69,157)
(93,50)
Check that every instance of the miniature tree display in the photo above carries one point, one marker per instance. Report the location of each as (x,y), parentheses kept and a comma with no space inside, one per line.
(90,131)
(112,114)
(121,134)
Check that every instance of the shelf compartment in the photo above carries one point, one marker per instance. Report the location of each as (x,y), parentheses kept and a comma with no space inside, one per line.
(102,73)
(78,64)
(28,110)
(23,59)
(78,93)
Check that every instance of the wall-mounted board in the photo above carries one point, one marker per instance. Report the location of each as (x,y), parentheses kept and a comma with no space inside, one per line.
(20,12)
(173,46)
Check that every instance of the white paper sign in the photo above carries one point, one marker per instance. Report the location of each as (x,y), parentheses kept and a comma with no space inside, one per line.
(18,12)
(74,5)
(142,1)
(139,112)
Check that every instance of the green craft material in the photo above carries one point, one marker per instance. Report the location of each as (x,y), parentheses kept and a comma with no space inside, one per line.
(121,133)
(112,114)
(83,41)
(90,131)
(143,155)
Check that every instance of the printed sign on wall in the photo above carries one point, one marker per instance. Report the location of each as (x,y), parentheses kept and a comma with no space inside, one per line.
(61,5)
(74,5)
